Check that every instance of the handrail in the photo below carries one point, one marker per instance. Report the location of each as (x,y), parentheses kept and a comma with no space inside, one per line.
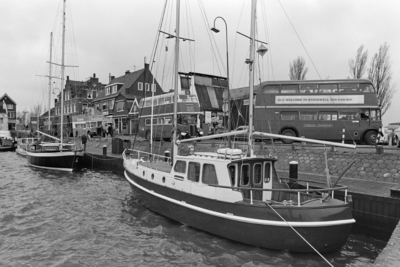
(281,190)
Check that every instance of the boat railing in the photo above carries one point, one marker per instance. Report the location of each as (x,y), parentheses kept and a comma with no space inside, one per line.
(325,192)
(145,156)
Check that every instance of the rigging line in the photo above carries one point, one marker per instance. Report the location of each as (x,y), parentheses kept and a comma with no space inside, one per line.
(194,44)
(268,40)
(157,37)
(299,235)
(211,38)
(236,39)
(300,40)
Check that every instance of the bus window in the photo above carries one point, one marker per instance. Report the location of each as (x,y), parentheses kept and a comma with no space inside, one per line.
(364,114)
(161,101)
(168,120)
(209,174)
(245,175)
(308,88)
(147,103)
(289,88)
(348,115)
(155,102)
(327,116)
(308,115)
(328,88)
(161,121)
(194,171)
(289,115)
(348,88)
(375,115)
(367,88)
(271,89)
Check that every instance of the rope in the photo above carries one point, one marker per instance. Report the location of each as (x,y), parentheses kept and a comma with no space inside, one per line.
(300,235)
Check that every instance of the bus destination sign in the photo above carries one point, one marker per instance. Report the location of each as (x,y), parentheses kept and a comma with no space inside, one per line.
(319,99)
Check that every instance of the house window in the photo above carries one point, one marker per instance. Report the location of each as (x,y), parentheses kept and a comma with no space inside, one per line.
(11,115)
(147,87)
(153,88)
(107,90)
(140,86)
(111,104)
(120,106)
(104,104)
(114,88)
(90,94)
(10,106)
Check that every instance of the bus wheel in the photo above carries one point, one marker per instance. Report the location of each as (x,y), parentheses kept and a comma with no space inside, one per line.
(148,135)
(398,142)
(288,132)
(370,137)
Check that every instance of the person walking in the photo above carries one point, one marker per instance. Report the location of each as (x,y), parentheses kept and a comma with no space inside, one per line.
(84,141)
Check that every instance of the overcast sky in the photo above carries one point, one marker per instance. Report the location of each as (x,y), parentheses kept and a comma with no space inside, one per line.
(110,37)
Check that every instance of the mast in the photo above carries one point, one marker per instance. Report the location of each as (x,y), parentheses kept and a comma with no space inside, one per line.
(175,119)
(62,73)
(51,44)
(251,76)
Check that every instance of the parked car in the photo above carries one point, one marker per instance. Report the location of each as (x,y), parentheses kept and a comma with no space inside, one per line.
(390,129)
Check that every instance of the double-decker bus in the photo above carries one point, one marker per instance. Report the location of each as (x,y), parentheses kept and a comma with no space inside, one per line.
(163,109)
(333,110)
(89,124)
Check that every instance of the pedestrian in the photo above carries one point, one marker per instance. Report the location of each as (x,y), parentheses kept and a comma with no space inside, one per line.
(109,130)
(84,140)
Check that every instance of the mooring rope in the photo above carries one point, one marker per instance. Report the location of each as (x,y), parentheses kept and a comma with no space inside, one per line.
(300,235)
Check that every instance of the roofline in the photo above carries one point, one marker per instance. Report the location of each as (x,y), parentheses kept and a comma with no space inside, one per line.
(9,98)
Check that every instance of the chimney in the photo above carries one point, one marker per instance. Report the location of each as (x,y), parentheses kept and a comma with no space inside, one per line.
(146,66)
(127,72)
(67,78)
(112,78)
(94,75)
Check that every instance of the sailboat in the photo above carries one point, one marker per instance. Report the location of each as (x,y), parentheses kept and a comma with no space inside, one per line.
(58,155)
(237,195)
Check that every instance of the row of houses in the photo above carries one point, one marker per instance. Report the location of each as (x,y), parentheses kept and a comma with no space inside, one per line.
(118,99)
(8,111)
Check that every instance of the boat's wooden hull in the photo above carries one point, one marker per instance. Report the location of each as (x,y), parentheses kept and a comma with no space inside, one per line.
(326,227)
(55,160)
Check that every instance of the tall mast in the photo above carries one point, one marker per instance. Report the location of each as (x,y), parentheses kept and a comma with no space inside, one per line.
(62,73)
(175,120)
(251,75)
(51,44)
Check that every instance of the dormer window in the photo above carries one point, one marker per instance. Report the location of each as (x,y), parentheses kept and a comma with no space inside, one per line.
(114,89)
(140,86)
(107,90)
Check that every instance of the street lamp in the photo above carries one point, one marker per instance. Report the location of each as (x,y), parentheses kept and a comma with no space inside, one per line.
(214,29)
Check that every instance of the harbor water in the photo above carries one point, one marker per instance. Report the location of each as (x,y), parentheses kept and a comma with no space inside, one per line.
(92,218)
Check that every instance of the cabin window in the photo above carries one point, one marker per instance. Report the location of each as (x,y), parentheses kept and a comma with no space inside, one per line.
(308,115)
(328,88)
(367,88)
(209,174)
(289,115)
(257,173)
(327,116)
(308,88)
(290,89)
(180,166)
(267,172)
(194,171)
(271,89)
(245,175)
(232,174)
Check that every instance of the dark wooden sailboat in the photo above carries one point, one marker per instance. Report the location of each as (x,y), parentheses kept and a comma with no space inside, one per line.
(237,195)
(59,155)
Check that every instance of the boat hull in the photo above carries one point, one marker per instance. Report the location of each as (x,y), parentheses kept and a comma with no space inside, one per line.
(256,225)
(55,160)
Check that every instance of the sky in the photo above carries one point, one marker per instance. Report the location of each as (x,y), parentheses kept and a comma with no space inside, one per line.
(110,37)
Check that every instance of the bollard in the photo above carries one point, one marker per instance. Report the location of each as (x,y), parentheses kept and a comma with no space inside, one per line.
(104,150)
(293,169)
(379,149)
(167,154)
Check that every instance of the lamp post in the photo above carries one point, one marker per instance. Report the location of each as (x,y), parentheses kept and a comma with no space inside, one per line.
(214,29)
